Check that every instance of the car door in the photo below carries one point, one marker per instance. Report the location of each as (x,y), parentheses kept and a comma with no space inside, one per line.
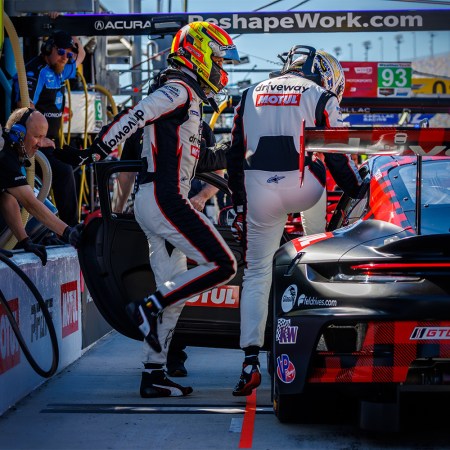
(114,260)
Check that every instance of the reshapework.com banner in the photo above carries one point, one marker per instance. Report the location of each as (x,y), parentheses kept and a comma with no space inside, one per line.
(240,23)
(320,22)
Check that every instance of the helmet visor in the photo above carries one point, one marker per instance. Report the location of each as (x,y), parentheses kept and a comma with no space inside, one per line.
(229,53)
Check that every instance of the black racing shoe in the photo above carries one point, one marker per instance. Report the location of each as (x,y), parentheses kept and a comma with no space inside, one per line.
(156,384)
(175,363)
(176,369)
(249,380)
(145,317)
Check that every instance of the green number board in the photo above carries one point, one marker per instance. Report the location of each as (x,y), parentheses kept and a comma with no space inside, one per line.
(394,79)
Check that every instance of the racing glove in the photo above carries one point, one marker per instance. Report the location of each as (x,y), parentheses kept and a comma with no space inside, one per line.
(76,157)
(237,227)
(39,250)
(72,235)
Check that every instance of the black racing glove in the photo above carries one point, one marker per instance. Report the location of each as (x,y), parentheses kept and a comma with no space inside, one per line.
(72,235)
(39,250)
(76,157)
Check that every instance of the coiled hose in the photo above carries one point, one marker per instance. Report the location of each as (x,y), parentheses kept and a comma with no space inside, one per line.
(47,317)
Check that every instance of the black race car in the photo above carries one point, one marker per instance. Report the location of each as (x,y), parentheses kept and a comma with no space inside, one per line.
(362,311)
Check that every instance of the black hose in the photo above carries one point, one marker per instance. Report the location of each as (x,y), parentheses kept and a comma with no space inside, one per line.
(47,318)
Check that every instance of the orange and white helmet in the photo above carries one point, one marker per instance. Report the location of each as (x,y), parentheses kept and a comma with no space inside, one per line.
(193,47)
(316,65)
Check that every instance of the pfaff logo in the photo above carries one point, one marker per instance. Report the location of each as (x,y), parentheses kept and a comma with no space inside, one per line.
(221,297)
(286,334)
(69,308)
(278,100)
(430,333)
(38,325)
(9,346)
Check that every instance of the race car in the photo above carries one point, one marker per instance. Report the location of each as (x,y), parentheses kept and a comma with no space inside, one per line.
(362,311)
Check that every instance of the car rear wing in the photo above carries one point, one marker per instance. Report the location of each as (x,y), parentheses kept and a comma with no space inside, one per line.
(400,141)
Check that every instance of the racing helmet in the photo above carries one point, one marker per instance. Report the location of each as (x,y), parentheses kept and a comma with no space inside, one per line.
(316,65)
(193,47)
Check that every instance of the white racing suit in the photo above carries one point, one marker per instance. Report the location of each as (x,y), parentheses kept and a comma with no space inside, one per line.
(174,229)
(263,169)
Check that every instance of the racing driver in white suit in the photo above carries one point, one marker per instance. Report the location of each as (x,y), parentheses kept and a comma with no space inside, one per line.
(263,169)
(172,117)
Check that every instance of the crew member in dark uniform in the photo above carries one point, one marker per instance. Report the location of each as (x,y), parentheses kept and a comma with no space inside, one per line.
(58,60)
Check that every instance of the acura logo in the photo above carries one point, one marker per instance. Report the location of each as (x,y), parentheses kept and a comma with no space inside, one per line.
(99,25)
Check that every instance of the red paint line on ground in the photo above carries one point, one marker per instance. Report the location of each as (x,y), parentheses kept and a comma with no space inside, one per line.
(248,424)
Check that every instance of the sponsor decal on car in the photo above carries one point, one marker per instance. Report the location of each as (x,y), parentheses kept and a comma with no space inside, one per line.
(285,369)
(303,300)
(430,333)
(286,334)
(302,242)
(221,297)
(9,346)
(289,297)
(69,308)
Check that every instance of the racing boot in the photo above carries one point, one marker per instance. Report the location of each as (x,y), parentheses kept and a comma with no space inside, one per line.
(175,362)
(154,383)
(145,316)
(250,378)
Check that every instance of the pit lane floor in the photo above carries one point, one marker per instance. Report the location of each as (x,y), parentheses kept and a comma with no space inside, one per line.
(95,404)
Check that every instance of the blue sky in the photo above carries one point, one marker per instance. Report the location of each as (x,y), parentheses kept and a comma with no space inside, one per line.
(263,49)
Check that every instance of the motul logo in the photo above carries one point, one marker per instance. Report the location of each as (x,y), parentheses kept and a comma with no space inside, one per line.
(195,151)
(69,308)
(278,100)
(9,346)
(221,297)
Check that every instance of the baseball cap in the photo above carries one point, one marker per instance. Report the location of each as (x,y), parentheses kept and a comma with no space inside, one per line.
(63,40)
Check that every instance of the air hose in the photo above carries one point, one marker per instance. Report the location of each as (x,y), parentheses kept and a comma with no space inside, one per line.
(45,313)
(23,88)
(225,104)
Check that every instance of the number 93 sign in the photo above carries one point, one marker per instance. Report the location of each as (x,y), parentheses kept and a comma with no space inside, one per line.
(394,79)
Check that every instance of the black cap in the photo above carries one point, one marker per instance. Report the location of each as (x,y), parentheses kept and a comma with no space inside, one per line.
(62,40)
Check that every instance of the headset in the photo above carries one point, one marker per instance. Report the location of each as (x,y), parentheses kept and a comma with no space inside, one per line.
(47,46)
(18,131)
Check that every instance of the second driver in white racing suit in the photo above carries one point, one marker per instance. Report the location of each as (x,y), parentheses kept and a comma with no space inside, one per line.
(172,117)
(263,169)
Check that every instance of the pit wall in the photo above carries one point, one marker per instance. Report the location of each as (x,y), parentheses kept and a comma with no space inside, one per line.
(77,321)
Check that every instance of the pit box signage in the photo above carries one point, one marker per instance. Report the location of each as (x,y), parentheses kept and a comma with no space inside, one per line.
(377,79)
